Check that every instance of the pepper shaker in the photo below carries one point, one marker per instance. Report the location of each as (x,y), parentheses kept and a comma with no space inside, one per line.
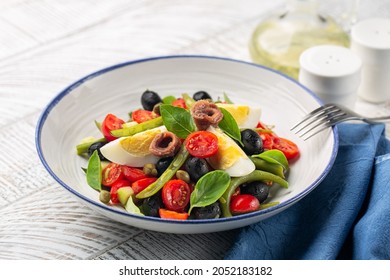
(332,73)
(370,40)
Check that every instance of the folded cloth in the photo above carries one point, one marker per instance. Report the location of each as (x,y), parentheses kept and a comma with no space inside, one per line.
(346,217)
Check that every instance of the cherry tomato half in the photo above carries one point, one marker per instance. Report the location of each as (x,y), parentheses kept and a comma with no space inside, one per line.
(115,187)
(244,203)
(141,116)
(202,144)
(272,141)
(111,122)
(142,184)
(289,148)
(268,140)
(133,174)
(111,174)
(176,195)
(169,214)
(179,103)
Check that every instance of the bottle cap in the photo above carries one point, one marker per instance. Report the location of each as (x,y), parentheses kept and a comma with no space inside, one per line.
(370,40)
(331,72)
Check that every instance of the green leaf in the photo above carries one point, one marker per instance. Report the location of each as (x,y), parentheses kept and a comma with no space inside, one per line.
(227,99)
(98,125)
(209,189)
(94,171)
(132,208)
(177,120)
(168,99)
(274,156)
(229,126)
(188,100)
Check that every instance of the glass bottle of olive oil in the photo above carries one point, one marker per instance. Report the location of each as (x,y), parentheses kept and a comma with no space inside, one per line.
(279,41)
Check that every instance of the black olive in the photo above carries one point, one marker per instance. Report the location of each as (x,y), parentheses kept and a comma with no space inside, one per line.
(257,189)
(196,168)
(162,165)
(152,204)
(149,99)
(201,95)
(96,146)
(212,211)
(253,145)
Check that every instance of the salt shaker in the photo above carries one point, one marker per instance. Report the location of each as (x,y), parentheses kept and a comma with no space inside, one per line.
(332,73)
(370,40)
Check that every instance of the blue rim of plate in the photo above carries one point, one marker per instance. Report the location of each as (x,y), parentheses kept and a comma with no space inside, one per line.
(67,90)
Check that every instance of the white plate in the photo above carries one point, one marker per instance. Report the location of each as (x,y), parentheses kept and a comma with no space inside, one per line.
(70,116)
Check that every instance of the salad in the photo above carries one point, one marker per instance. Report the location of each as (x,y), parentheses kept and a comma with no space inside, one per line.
(187,157)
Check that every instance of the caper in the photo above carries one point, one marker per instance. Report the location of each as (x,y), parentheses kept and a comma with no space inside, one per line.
(150,170)
(104,196)
(183,175)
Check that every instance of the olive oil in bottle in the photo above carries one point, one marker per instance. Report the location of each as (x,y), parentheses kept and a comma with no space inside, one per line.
(279,41)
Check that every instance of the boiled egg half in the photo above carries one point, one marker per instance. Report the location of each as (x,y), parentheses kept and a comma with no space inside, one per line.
(245,116)
(132,150)
(230,157)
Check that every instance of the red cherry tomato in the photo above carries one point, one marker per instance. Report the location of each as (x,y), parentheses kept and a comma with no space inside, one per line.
(142,184)
(114,190)
(179,103)
(111,174)
(272,141)
(133,174)
(202,144)
(176,195)
(244,203)
(289,148)
(169,214)
(141,116)
(111,122)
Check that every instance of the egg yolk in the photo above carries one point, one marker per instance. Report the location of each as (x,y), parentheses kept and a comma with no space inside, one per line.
(239,112)
(138,144)
(228,153)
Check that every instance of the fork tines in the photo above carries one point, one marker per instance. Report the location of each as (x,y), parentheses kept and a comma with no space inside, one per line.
(318,120)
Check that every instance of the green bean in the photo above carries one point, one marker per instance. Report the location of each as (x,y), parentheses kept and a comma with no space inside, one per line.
(256,175)
(188,100)
(131,130)
(83,148)
(273,168)
(177,162)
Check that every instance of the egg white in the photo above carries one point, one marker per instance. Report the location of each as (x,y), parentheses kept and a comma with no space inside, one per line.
(252,118)
(242,165)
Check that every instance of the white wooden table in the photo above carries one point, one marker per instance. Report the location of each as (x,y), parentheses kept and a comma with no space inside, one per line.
(46,45)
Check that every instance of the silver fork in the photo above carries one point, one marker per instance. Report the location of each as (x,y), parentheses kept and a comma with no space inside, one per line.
(326,116)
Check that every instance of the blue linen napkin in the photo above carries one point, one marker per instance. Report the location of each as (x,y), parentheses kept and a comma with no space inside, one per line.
(346,217)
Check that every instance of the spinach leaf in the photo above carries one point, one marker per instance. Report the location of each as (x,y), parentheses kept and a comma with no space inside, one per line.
(94,171)
(227,99)
(177,120)
(132,208)
(274,156)
(168,99)
(188,100)
(209,189)
(229,126)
